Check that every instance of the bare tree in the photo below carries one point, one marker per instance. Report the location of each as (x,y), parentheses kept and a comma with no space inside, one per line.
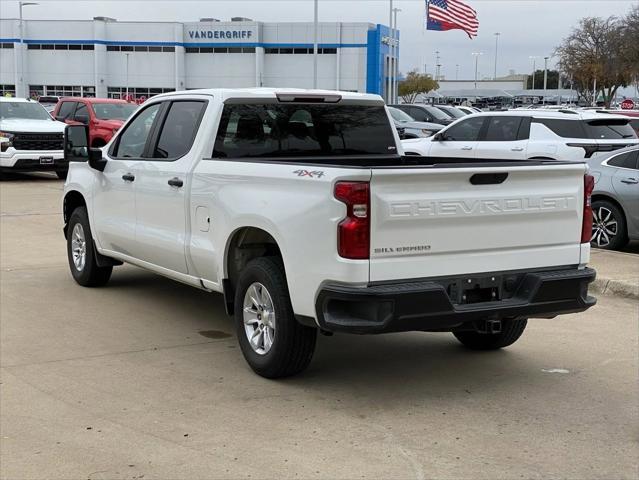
(594,54)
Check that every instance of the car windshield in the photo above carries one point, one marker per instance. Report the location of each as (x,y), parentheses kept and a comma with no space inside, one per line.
(24,110)
(609,129)
(399,116)
(437,113)
(303,130)
(114,111)
(453,112)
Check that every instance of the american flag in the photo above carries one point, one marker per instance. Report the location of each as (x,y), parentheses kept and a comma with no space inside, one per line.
(451,15)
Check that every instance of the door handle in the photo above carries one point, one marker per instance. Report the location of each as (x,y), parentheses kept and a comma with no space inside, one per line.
(128,177)
(630,181)
(467,148)
(517,149)
(176,182)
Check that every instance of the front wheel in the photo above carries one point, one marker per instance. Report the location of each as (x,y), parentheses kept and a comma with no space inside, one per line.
(511,330)
(273,342)
(81,253)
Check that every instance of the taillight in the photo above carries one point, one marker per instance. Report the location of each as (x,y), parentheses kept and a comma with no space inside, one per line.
(586,226)
(353,233)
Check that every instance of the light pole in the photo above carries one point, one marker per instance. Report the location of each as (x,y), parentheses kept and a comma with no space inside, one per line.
(476,55)
(545,77)
(457,72)
(496,45)
(315,25)
(533,58)
(395,57)
(437,65)
(21,78)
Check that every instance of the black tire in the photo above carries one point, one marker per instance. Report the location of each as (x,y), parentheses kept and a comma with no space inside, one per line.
(511,330)
(62,174)
(601,236)
(293,343)
(90,274)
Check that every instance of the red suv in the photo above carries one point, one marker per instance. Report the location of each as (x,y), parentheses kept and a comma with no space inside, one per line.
(104,116)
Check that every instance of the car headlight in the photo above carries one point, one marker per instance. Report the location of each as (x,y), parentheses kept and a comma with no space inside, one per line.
(6,140)
(427,132)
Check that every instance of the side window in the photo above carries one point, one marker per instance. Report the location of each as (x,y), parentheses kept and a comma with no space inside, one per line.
(563,128)
(625,160)
(466,130)
(419,114)
(66,110)
(179,129)
(81,113)
(502,129)
(132,140)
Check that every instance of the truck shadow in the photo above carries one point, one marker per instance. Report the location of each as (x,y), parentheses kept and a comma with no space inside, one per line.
(39,177)
(407,365)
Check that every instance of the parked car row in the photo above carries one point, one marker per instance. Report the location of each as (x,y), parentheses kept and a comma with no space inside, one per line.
(31,134)
(605,140)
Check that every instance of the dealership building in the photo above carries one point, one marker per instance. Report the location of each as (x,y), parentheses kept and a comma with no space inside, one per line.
(104,57)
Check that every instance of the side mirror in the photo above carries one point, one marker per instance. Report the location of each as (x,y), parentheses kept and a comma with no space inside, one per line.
(76,147)
(438,137)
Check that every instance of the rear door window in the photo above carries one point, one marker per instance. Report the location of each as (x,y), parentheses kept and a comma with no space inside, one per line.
(419,114)
(179,129)
(66,110)
(625,160)
(503,129)
(609,129)
(303,130)
(465,131)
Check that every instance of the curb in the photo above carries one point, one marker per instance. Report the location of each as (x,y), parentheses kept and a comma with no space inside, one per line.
(619,288)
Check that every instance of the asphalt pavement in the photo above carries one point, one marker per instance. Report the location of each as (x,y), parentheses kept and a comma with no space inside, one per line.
(144,379)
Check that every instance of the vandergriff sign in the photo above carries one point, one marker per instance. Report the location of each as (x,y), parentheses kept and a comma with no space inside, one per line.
(222,34)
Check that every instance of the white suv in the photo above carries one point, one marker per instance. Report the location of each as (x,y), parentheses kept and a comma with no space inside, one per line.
(30,139)
(519,135)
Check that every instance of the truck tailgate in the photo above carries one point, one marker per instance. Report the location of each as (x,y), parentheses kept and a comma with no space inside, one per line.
(442,221)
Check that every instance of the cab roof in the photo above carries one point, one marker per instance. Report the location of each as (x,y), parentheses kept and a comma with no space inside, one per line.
(271,93)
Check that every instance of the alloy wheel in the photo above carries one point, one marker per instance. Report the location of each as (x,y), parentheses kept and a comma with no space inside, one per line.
(604,227)
(78,247)
(259,318)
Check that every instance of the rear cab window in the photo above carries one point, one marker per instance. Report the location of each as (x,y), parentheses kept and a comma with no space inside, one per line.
(301,130)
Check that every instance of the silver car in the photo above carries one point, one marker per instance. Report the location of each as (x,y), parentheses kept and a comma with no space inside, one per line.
(615,200)
(411,127)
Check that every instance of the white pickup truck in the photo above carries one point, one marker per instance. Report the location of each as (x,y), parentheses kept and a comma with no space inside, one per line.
(300,208)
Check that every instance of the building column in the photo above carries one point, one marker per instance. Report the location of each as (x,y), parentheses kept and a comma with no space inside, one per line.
(100,79)
(18,61)
(180,60)
(259,66)
(338,57)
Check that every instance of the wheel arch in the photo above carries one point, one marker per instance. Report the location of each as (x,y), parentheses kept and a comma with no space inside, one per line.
(243,245)
(608,198)
(72,200)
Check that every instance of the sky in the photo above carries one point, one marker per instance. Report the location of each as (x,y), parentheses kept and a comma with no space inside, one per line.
(527,27)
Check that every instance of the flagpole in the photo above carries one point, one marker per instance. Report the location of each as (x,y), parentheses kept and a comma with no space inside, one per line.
(389,80)
(315,44)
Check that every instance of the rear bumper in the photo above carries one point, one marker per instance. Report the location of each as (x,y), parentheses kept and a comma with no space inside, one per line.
(440,304)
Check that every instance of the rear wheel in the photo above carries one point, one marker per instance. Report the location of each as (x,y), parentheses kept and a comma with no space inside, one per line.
(608,226)
(273,342)
(81,253)
(511,330)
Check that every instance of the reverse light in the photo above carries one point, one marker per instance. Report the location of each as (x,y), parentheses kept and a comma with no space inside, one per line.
(353,233)
(586,226)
